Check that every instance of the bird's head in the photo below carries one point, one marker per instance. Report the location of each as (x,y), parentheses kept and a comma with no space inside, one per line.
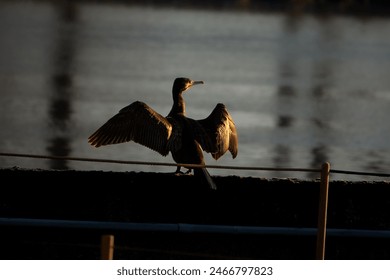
(182,84)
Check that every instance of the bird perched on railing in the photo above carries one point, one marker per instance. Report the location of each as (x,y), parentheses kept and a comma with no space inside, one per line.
(184,137)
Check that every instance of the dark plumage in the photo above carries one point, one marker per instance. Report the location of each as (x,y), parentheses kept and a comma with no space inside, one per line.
(184,137)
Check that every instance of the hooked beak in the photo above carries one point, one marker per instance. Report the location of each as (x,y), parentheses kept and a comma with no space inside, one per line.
(197,83)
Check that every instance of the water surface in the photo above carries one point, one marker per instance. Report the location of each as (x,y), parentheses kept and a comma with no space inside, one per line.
(302,89)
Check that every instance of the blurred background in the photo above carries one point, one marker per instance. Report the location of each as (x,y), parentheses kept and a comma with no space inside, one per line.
(305,81)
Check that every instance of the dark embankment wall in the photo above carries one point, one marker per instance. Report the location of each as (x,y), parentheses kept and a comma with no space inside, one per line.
(167,198)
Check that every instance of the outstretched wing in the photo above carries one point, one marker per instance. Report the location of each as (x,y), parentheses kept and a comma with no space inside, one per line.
(137,122)
(221,129)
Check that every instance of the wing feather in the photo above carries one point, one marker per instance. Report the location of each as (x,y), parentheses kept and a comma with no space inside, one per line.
(137,122)
(222,132)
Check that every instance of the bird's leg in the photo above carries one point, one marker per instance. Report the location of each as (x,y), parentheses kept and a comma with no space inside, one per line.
(178,170)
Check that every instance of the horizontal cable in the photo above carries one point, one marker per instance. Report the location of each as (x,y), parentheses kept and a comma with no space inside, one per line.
(160,163)
(360,173)
(193,165)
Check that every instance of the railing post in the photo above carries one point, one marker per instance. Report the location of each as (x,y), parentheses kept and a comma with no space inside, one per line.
(322,211)
(107,247)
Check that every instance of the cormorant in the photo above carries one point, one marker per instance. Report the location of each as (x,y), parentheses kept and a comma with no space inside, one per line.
(184,137)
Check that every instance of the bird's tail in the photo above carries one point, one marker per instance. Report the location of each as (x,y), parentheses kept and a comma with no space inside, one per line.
(205,175)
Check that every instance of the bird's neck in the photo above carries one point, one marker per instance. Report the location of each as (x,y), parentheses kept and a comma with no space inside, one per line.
(179,106)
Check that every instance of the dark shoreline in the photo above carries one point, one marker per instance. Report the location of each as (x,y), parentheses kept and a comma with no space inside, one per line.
(147,197)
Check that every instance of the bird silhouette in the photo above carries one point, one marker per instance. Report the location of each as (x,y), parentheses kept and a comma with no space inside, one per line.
(184,137)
